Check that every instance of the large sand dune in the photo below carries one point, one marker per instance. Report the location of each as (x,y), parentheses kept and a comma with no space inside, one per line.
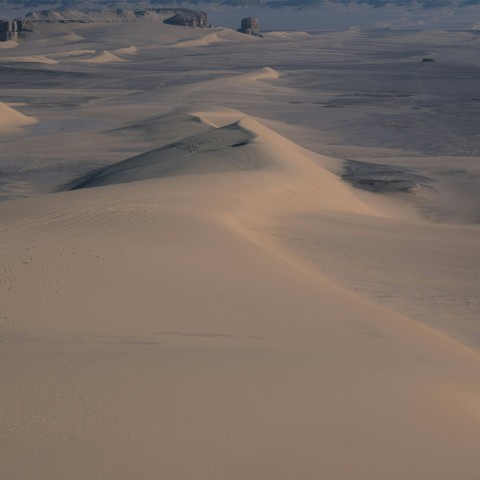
(207,298)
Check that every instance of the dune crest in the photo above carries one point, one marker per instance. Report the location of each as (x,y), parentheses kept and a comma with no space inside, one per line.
(198,42)
(11,120)
(30,59)
(126,51)
(286,35)
(208,152)
(240,144)
(72,53)
(265,73)
(104,57)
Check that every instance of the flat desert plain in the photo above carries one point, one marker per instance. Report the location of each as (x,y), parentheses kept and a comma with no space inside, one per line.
(231,257)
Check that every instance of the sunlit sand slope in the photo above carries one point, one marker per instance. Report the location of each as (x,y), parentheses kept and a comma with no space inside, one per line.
(153,329)
(11,120)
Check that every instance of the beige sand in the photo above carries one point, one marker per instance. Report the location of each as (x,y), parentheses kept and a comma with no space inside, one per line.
(174,323)
(11,120)
(104,57)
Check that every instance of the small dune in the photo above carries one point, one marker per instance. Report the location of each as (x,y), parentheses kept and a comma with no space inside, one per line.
(8,44)
(286,35)
(105,57)
(125,51)
(198,42)
(30,59)
(72,53)
(11,120)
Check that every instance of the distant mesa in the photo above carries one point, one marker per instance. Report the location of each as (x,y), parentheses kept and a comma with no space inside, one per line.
(250,26)
(188,18)
(175,16)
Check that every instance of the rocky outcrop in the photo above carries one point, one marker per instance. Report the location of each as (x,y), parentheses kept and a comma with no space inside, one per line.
(175,16)
(250,26)
(11,29)
(188,18)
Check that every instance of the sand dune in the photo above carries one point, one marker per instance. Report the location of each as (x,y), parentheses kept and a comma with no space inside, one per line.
(197,333)
(286,35)
(8,44)
(30,59)
(198,42)
(265,73)
(71,37)
(165,129)
(240,146)
(220,35)
(207,152)
(55,40)
(125,51)
(252,82)
(105,57)
(11,120)
(72,53)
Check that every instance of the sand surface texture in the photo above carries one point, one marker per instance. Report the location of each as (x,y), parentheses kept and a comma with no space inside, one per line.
(190,290)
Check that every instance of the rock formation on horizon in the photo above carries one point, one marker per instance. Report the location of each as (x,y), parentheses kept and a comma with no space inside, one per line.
(250,26)
(188,18)
(11,29)
(175,16)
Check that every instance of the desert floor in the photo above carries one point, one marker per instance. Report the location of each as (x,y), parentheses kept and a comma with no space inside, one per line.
(190,289)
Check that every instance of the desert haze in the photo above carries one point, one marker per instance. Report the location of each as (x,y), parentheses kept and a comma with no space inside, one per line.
(231,257)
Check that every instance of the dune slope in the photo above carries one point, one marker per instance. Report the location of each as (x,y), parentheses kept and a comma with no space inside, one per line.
(11,120)
(166,334)
(193,154)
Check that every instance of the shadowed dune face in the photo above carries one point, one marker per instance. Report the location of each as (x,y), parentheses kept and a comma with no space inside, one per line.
(209,152)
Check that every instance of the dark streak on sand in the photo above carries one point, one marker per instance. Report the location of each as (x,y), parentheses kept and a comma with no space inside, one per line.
(379,178)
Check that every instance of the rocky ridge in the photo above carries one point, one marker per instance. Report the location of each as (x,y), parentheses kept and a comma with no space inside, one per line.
(69,4)
(176,16)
